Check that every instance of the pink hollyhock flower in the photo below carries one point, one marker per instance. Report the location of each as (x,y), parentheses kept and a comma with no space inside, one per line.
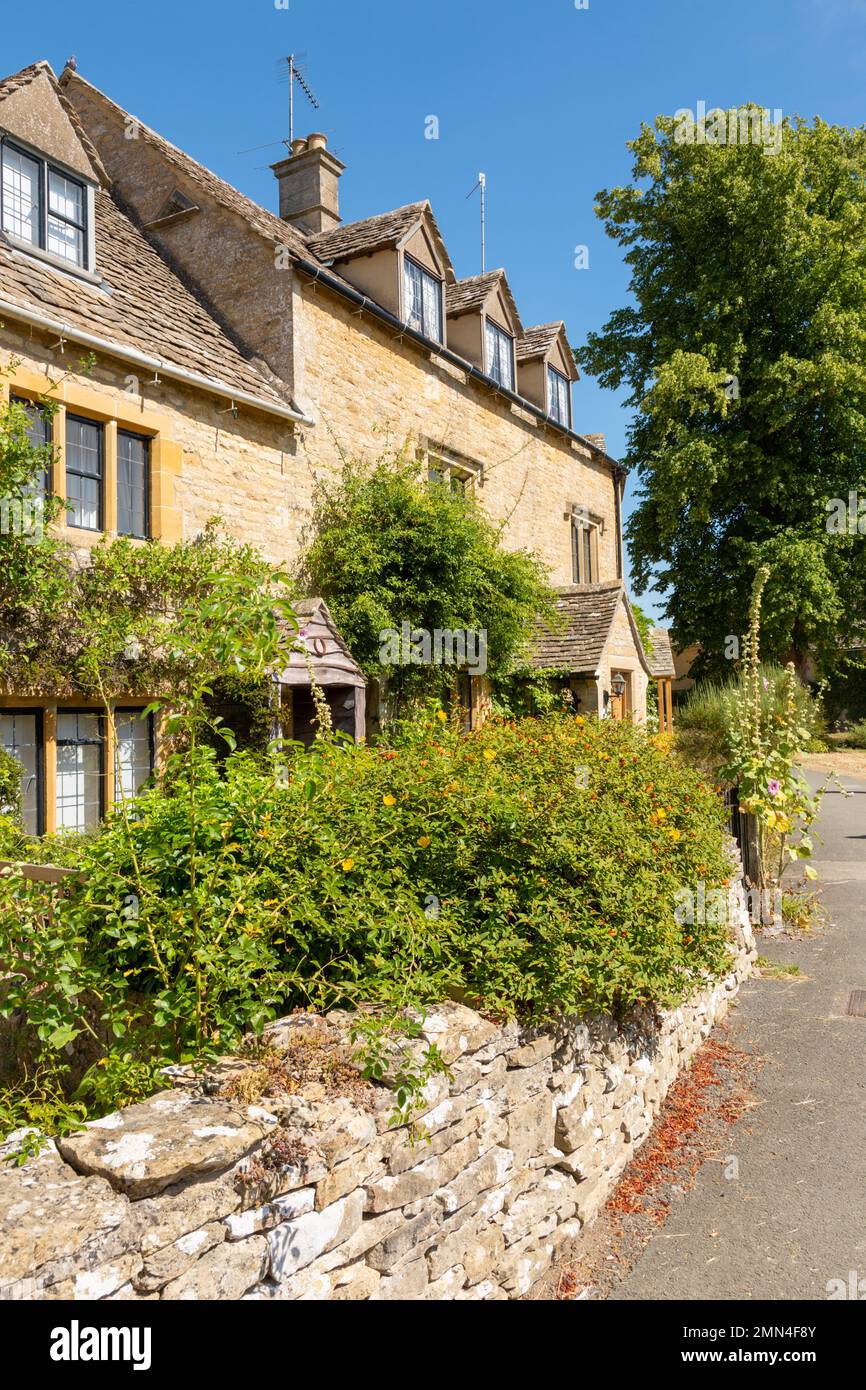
(774,786)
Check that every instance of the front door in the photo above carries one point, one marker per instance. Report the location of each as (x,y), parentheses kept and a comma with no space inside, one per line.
(619,704)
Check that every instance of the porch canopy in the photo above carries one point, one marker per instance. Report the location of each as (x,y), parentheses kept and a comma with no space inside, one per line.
(596,645)
(333,668)
(662,668)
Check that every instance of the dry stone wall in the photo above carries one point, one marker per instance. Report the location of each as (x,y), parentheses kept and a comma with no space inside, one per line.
(311,1194)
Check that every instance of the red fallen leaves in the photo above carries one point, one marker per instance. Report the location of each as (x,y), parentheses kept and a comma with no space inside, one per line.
(678,1146)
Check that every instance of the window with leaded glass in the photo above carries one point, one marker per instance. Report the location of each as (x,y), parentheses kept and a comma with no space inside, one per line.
(85,473)
(422,300)
(80,770)
(133,460)
(557,397)
(500,355)
(43,205)
(21,735)
(133,752)
(39,435)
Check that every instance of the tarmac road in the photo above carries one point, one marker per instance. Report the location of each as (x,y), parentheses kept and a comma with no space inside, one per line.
(795,1218)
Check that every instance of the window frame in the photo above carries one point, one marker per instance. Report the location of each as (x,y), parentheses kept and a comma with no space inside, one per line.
(585,534)
(100,426)
(99,742)
(47,167)
(134,711)
(15,398)
(147,441)
(500,334)
(554,372)
(38,714)
(439,336)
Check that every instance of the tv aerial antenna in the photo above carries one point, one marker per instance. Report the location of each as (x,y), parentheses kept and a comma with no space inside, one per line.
(294,73)
(482,184)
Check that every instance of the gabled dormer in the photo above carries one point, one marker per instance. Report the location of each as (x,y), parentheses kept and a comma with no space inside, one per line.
(397,259)
(483,325)
(48,176)
(546,369)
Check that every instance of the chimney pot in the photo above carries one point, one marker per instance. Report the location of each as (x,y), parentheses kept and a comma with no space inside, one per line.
(309,181)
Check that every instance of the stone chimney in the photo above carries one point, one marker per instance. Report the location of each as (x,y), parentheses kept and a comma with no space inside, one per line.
(309,182)
(598,440)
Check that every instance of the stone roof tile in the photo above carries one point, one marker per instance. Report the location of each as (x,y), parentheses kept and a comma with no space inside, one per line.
(588,612)
(139,304)
(660,657)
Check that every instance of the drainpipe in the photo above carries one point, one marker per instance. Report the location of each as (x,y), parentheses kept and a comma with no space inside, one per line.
(618,478)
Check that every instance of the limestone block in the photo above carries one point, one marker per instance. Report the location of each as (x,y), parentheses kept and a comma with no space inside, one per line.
(532,1051)
(175,1135)
(54,1223)
(424,1179)
(299,1241)
(448,1285)
(530,1127)
(225,1272)
(404,1282)
(172,1261)
(247,1223)
(413,1235)
(490,1170)
(456,1030)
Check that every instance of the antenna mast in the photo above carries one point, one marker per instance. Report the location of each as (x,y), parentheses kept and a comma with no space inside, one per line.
(295,75)
(482,184)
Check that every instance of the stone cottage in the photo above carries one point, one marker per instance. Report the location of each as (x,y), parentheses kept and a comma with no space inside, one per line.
(241,354)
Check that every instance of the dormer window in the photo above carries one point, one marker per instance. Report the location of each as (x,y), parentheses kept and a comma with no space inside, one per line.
(499,349)
(557,397)
(44,206)
(422,300)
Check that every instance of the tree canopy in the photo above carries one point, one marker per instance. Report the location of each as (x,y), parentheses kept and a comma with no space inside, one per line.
(743,355)
(390,549)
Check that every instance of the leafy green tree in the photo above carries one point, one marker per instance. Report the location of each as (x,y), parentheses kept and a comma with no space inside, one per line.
(33,574)
(743,356)
(390,549)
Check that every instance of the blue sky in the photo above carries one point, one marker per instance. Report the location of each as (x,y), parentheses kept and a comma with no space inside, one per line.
(542,97)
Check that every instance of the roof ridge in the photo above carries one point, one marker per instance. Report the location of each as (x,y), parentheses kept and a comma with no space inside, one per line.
(257,215)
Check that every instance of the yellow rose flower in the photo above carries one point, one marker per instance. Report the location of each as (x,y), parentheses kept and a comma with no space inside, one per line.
(348,865)
(674,834)
(441,716)
(389,800)
(423,841)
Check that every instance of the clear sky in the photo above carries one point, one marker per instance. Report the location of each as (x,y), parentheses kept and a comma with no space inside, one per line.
(542,97)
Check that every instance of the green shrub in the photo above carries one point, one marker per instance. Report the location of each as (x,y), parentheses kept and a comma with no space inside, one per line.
(703,722)
(855,737)
(10,788)
(528,869)
(390,548)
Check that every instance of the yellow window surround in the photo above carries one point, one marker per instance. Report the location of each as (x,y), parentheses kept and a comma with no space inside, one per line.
(49,711)
(114,410)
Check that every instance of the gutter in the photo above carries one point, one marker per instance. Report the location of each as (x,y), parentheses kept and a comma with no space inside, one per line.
(156,364)
(440,350)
